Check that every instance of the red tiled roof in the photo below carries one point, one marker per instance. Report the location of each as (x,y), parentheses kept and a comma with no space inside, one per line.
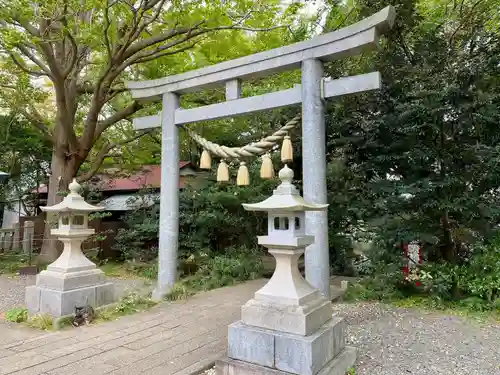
(150,175)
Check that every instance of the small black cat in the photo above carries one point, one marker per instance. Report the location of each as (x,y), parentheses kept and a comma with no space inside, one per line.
(83,315)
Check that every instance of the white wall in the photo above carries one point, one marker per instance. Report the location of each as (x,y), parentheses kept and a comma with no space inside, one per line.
(11,215)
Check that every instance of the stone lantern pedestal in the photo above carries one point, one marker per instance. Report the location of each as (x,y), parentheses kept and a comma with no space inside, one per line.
(72,280)
(287,328)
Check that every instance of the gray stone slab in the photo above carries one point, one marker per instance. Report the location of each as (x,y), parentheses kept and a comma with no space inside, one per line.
(96,369)
(308,355)
(179,363)
(32,296)
(341,363)
(20,361)
(104,294)
(6,353)
(57,303)
(338,366)
(60,303)
(300,320)
(250,345)
(69,281)
(202,364)
(93,365)
(55,363)
(304,355)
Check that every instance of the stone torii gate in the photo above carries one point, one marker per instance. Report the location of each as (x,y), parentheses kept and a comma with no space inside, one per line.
(307,56)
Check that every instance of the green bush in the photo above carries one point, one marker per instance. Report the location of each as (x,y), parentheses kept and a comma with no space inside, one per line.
(128,304)
(477,279)
(219,270)
(11,262)
(17,315)
(473,284)
(132,303)
(40,321)
(211,218)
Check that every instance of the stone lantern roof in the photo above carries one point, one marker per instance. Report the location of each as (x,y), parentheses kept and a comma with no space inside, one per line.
(285,198)
(72,202)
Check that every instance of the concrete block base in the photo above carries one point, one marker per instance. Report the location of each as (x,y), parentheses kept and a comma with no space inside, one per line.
(59,303)
(337,366)
(64,281)
(290,353)
(301,320)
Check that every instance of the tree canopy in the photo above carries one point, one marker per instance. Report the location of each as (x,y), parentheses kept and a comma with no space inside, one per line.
(64,63)
(422,154)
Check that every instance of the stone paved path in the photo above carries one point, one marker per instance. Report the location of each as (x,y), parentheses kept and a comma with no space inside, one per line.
(184,337)
(171,339)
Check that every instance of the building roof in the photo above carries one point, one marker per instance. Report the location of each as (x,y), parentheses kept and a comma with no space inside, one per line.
(149,175)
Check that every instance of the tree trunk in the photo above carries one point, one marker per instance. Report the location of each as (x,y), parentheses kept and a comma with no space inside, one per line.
(449,253)
(62,169)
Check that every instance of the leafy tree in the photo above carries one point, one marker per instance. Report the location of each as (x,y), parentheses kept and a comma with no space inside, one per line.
(84,50)
(424,149)
(25,157)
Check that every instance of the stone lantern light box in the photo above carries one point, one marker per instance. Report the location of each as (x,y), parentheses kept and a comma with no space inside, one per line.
(72,280)
(73,213)
(286,213)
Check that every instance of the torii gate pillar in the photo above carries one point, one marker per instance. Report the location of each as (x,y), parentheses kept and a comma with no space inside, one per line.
(317,262)
(169,201)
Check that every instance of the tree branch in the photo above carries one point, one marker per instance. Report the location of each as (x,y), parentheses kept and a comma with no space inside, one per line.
(74,55)
(104,152)
(134,53)
(90,89)
(156,55)
(118,116)
(147,6)
(107,25)
(25,69)
(36,121)
(35,59)
(148,42)
(44,45)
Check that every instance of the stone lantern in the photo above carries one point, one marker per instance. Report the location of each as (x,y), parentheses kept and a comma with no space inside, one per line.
(72,280)
(287,327)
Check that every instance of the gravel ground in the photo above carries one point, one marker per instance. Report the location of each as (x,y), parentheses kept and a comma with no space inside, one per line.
(407,341)
(12,289)
(394,341)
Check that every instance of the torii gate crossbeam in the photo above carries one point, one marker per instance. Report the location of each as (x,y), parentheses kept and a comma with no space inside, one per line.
(309,56)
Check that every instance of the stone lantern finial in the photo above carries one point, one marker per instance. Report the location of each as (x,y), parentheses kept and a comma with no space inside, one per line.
(286,175)
(74,187)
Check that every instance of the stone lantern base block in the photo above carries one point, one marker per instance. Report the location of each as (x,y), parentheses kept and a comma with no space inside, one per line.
(287,353)
(300,320)
(70,280)
(59,303)
(337,366)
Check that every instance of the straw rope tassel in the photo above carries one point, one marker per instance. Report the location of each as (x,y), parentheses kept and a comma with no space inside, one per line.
(266,169)
(286,150)
(205,160)
(243,178)
(222,172)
